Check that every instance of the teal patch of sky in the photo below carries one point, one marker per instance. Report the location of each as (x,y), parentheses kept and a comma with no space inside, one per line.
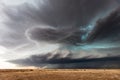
(87,31)
(91,46)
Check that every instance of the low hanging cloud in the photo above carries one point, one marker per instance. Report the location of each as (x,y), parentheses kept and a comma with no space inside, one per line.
(99,58)
(67,60)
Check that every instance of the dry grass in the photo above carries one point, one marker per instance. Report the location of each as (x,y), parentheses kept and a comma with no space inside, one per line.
(64,74)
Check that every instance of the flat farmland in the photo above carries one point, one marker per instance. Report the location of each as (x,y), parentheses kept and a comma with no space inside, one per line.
(60,74)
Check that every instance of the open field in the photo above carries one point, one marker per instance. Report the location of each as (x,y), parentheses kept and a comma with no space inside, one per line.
(60,74)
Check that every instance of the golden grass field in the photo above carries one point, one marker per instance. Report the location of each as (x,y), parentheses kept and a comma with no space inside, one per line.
(60,74)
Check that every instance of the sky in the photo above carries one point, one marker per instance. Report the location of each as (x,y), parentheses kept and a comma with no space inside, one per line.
(59,34)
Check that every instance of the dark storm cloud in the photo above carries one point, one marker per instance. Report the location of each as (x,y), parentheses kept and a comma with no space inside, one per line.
(66,36)
(70,16)
(44,59)
(108,28)
(60,60)
(63,14)
(105,30)
(118,1)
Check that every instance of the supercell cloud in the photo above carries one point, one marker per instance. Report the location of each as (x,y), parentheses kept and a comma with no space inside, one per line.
(88,29)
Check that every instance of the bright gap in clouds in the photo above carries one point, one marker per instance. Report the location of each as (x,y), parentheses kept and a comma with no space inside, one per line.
(2,50)
(6,65)
(3,63)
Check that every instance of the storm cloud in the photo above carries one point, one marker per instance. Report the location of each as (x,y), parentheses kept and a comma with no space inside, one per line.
(59,14)
(107,29)
(65,36)
(75,25)
(66,60)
